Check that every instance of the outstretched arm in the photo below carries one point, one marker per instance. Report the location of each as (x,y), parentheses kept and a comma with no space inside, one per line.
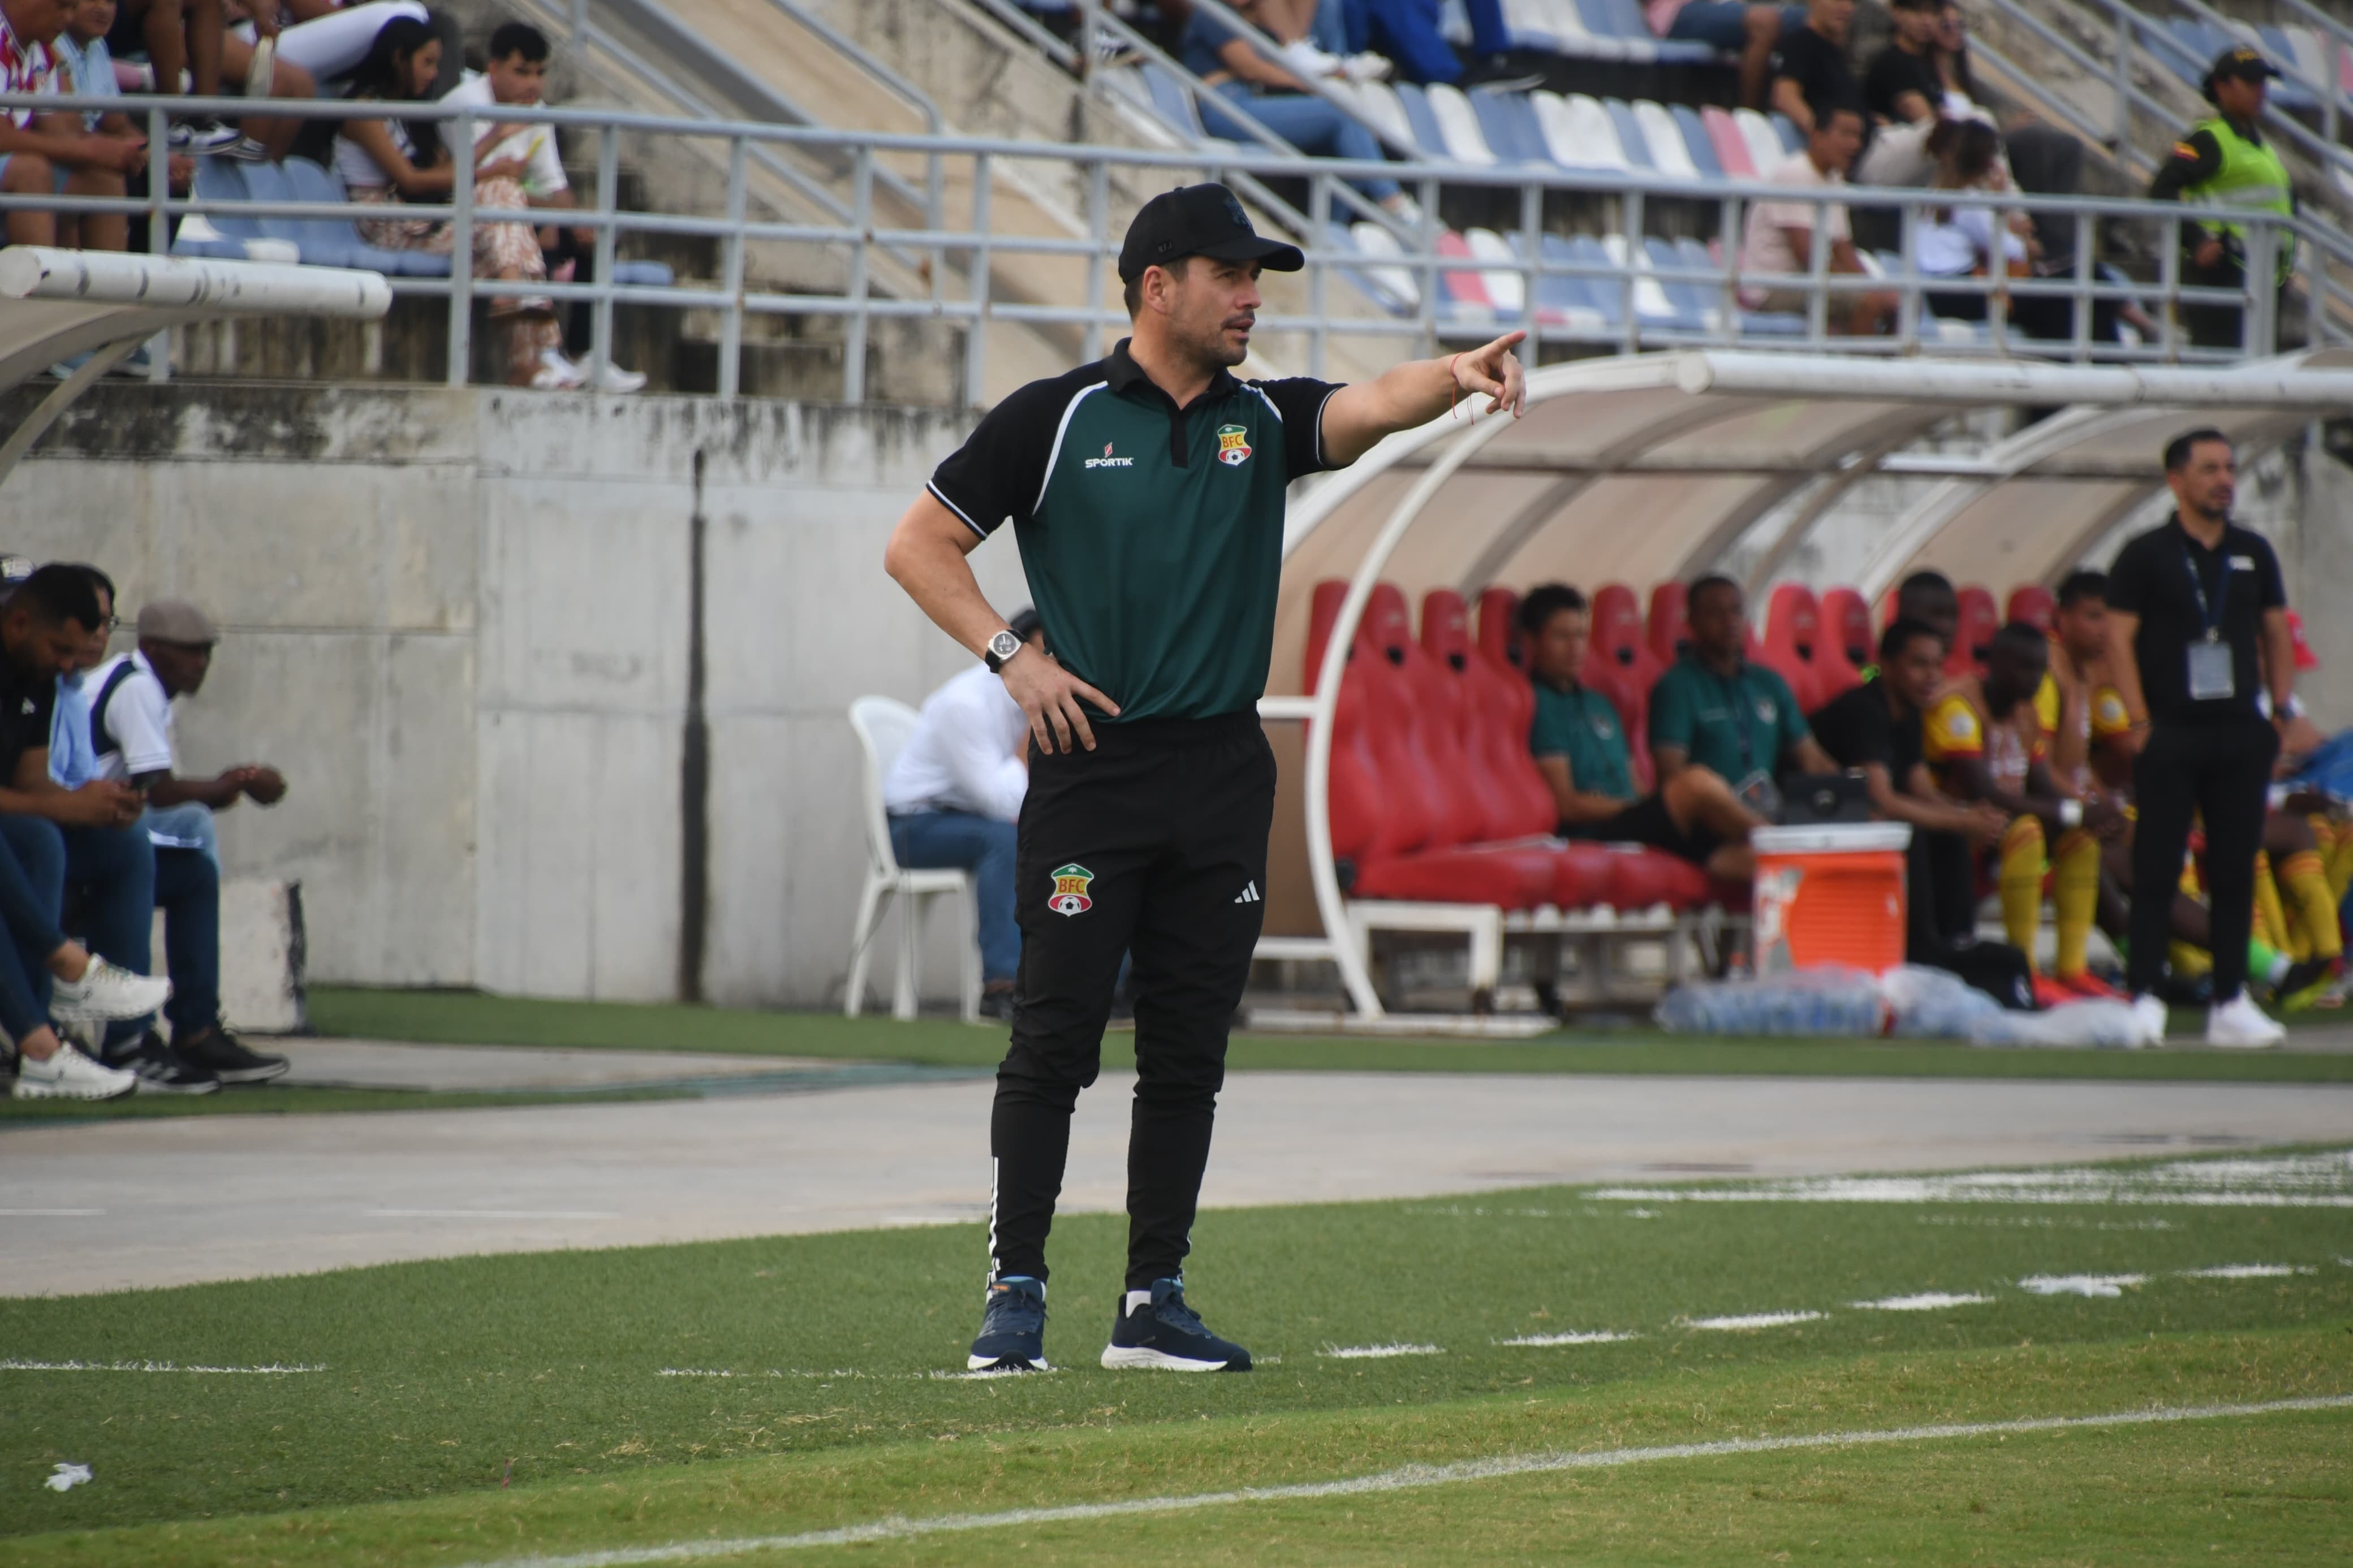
(1418,391)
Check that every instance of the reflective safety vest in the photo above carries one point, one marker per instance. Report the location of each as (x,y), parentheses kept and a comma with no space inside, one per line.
(2252,176)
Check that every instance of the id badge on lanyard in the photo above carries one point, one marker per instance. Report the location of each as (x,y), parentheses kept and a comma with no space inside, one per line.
(2212,677)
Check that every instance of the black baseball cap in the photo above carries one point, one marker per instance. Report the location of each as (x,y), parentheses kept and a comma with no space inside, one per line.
(2246,64)
(1198,220)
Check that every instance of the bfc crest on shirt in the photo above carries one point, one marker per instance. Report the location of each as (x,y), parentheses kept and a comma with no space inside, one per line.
(1108,461)
(1233,446)
(1070,883)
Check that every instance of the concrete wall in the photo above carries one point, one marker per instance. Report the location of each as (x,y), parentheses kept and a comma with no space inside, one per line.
(459,621)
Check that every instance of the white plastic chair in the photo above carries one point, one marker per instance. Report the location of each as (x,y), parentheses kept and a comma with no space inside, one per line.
(884,728)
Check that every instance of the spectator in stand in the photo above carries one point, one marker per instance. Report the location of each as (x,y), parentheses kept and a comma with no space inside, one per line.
(1407,32)
(1244,74)
(1780,235)
(2224,161)
(516,75)
(1876,728)
(184,41)
(1715,710)
(955,795)
(1581,751)
(382,162)
(1973,241)
(48,154)
(1753,29)
(1314,36)
(44,630)
(1905,96)
(1985,744)
(1814,76)
(131,700)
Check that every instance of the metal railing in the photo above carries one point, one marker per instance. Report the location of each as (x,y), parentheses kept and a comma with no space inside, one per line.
(1617,306)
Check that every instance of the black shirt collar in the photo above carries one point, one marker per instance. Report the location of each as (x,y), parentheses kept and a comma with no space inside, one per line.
(2181,531)
(1121,373)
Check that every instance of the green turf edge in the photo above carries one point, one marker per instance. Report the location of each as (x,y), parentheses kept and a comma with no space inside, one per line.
(270,1100)
(1091,1463)
(469,1018)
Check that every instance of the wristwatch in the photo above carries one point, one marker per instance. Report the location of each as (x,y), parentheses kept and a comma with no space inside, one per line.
(1001,646)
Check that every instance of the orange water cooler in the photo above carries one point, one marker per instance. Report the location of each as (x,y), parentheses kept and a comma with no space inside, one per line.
(1832,894)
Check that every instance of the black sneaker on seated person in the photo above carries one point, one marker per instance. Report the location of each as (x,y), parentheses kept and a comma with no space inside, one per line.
(228,1059)
(162,1069)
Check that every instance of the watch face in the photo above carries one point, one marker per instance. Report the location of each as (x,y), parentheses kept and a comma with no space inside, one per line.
(1005,645)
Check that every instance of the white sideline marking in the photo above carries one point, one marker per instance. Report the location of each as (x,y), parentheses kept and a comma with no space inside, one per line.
(2245,1271)
(1606,1336)
(271,1371)
(1925,1302)
(2080,1284)
(493,1213)
(1401,1479)
(49,1213)
(1369,1353)
(1755,1321)
(2287,1181)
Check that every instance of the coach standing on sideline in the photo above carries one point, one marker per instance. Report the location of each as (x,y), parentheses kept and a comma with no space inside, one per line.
(2197,625)
(1147,491)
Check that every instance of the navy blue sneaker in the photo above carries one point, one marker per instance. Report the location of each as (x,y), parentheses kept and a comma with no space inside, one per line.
(1013,1329)
(1165,1333)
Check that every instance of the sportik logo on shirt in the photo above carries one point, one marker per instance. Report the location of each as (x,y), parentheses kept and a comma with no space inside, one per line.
(1108,461)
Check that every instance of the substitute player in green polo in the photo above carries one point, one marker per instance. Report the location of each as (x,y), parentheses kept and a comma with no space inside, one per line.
(1147,492)
(2225,162)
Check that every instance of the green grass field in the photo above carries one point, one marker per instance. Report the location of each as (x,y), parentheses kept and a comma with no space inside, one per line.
(486,1410)
(468,1018)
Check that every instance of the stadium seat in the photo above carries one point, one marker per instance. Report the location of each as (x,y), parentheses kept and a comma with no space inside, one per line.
(1793,626)
(1174,100)
(1578,131)
(1429,136)
(1765,149)
(1508,120)
(1622,666)
(336,242)
(1698,144)
(1458,126)
(1786,131)
(1625,19)
(223,236)
(1696,304)
(1398,288)
(2030,603)
(1381,109)
(1464,292)
(1630,135)
(1664,137)
(1732,151)
(1507,292)
(1980,619)
(1668,623)
(1563,301)
(1494,712)
(1846,624)
(1650,299)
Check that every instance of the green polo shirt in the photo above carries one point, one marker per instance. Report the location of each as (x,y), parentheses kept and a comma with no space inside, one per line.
(1580,725)
(1152,535)
(1732,724)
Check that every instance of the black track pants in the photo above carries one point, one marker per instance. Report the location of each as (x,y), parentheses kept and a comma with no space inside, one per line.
(1153,844)
(2221,771)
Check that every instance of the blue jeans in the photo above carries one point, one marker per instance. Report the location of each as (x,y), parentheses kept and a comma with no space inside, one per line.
(111,872)
(959,840)
(188,824)
(1725,23)
(1406,31)
(1307,122)
(187,890)
(32,891)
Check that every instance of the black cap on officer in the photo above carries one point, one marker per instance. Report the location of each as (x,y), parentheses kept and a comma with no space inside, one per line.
(2246,64)
(1198,220)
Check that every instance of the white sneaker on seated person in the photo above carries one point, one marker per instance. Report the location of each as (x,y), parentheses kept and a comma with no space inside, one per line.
(70,1075)
(107,992)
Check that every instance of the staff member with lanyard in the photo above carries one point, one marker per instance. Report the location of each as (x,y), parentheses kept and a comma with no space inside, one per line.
(2197,626)
(1147,491)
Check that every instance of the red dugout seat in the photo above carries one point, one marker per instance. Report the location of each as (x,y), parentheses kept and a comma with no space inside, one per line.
(1622,666)
(1980,619)
(2031,603)
(1846,622)
(1793,626)
(1670,623)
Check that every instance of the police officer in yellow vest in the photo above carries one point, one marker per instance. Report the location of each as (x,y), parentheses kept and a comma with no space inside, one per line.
(2224,161)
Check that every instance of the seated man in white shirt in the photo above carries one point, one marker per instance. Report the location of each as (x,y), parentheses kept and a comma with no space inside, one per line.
(1780,235)
(130,729)
(954,795)
(517,76)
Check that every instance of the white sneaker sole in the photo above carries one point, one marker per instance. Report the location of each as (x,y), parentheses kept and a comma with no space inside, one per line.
(33,1089)
(2232,1043)
(93,1010)
(1126,1358)
(997,1364)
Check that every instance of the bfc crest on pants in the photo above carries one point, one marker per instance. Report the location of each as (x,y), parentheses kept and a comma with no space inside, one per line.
(1070,896)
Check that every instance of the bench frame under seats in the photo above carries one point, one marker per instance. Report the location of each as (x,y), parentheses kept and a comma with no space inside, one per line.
(1596,936)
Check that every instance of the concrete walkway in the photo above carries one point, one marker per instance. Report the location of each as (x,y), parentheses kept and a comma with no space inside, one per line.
(166,1202)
